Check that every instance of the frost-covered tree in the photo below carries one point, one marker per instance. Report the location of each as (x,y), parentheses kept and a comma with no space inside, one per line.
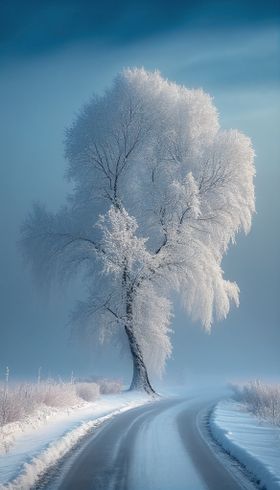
(159,193)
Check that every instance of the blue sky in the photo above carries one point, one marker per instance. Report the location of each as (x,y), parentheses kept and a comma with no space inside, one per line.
(53,56)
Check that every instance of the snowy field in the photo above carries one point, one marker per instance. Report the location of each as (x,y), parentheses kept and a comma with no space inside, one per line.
(255,443)
(36,444)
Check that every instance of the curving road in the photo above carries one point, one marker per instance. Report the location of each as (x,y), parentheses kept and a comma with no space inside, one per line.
(155,447)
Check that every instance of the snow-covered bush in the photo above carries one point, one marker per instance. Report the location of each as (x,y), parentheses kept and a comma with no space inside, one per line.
(56,394)
(20,400)
(261,399)
(88,391)
(16,402)
(106,386)
(110,386)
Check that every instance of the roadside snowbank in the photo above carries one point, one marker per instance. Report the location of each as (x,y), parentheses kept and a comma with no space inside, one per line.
(254,443)
(47,437)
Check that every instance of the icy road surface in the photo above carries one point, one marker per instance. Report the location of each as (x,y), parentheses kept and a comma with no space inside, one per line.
(154,447)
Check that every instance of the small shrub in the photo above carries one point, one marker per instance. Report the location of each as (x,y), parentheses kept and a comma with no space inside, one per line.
(20,400)
(108,387)
(261,399)
(88,391)
(54,394)
(15,403)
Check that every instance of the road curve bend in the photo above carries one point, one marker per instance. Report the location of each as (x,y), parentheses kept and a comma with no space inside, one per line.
(154,447)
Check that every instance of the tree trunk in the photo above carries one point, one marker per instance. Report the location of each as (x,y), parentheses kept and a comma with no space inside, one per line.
(140,380)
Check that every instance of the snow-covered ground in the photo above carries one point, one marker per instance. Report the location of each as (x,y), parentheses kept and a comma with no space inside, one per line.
(28,448)
(253,442)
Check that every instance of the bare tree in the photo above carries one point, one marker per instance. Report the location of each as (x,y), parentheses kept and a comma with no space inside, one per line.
(159,193)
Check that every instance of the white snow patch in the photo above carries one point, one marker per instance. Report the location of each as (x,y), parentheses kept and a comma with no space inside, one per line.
(9,433)
(254,443)
(41,442)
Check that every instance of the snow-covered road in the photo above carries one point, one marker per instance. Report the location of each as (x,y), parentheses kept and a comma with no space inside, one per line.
(154,447)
